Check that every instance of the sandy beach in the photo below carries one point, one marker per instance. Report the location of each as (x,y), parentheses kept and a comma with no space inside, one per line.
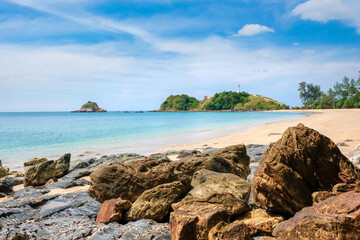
(340,125)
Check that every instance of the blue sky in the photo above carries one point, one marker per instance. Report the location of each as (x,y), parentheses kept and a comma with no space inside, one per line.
(131,54)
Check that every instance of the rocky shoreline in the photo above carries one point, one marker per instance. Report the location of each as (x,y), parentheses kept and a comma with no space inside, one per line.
(301,187)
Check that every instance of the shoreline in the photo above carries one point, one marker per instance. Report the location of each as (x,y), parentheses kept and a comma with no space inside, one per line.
(326,121)
(340,125)
(146,145)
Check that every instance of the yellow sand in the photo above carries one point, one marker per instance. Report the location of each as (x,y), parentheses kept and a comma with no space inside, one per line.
(337,124)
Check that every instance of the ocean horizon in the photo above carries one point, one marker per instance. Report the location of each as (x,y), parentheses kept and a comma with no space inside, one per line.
(25,135)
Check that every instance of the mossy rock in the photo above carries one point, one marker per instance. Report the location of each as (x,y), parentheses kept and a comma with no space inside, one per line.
(34,161)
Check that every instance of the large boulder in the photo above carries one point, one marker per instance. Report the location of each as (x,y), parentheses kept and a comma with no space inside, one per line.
(155,203)
(302,162)
(207,183)
(254,223)
(40,173)
(233,205)
(194,222)
(130,179)
(334,218)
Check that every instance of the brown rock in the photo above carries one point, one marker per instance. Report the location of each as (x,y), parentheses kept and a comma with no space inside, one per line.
(51,181)
(334,218)
(199,217)
(251,224)
(302,162)
(343,187)
(112,210)
(34,161)
(3,172)
(321,196)
(131,179)
(207,183)
(155,203)
(40,173)
(234,206)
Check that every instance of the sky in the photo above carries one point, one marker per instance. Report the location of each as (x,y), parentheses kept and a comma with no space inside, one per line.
(56,55)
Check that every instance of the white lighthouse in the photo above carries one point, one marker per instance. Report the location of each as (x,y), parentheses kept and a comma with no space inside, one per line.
(238,88)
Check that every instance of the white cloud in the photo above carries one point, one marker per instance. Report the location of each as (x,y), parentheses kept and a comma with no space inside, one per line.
(327,10)
(253,29)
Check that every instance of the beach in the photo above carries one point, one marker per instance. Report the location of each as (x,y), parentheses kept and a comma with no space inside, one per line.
(340,125)
(216,175)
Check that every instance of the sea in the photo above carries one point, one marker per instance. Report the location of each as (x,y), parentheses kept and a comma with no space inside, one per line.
(25,135)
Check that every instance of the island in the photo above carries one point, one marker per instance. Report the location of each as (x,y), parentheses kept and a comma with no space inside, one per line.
(224,101)
(90,107)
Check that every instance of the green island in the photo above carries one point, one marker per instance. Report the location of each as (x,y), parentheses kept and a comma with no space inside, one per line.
(224,101)
(90,107)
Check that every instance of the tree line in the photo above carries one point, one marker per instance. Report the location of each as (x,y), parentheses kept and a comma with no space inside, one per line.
(345,94)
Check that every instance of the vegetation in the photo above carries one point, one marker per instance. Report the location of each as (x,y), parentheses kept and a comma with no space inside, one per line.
(257,102)
(89,104)
(226,100)
(180,103)
(221,101)
(345,94)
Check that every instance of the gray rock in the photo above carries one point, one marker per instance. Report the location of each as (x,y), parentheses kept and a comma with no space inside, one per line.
(341,144)
(6,184)
(209,150)
(30,192)
(256,151)
(143,229)
(354,155)
(68,183)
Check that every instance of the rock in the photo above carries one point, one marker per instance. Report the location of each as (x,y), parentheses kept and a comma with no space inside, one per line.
(234,206)
(68,183)
(130,179)
(112,210)
(321,196)
(343,187)
(50,182)
(7,183)
(3,172)
(143,229)
(334,218)
(251,224)
(155,203)
(90,107)
(256,151)
(195,221)
(186,153)
(302,162)
(341,144)
(209,150)
(207,183)
(354,155)
(30,192)
(39,174)
(34,162)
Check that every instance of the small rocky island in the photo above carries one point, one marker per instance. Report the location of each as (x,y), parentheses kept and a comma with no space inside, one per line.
(90,107)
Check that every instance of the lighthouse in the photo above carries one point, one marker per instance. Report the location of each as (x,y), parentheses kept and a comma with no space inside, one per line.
(238,88)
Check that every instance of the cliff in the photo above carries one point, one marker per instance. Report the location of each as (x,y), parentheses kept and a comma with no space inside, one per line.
(90,107)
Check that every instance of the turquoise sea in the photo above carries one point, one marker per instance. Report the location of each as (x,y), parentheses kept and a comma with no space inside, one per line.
(51,134)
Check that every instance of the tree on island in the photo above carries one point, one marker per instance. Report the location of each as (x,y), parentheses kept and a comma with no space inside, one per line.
(345,94)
